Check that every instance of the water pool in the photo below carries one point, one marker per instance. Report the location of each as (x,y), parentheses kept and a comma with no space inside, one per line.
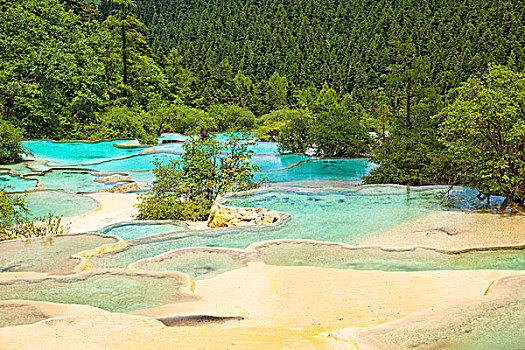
(354,215)
(71,180)
(115,291)
(322,169)
(60,203)
(75,152)
(199,263)
(135,163)
(17,183)
(301,253)
(51,254)
(132,230)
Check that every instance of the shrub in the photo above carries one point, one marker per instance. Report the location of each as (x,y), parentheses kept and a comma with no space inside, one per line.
(186,189)
(11,149)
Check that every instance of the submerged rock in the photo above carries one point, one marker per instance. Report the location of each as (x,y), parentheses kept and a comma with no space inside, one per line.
(223,216)
(148,150)
(124,188)
(114,178)
(127,144)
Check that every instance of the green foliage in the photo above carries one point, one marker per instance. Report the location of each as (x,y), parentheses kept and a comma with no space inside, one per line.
(186,189)
(14,222)
(231,118)
(294,134)
(484,130)
(10,146)
(122,123)
(410,157)
(13,210)
(58,82)
(273,122)
(349,44)
(338,133)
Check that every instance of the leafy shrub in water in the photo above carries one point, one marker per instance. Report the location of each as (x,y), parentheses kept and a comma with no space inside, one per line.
(14,222)
(186,189)
(11,149)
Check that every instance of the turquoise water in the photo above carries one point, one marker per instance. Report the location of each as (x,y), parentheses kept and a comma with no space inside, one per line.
(198,263)
(132,230)
(18,168)
(299,253)
(135,163)
(59,203)
(71,180)
(354,215)
(172,136)
(104,157)
(115,291)
(75,152)
(17,183)
(50,254)
(269,163)
(322,169)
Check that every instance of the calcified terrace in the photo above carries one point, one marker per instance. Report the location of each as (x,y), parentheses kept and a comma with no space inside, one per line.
(336,243)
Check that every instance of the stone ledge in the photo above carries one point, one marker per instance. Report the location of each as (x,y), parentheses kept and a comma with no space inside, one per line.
(223,216)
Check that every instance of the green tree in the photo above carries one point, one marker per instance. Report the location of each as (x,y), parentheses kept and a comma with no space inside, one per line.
(294,134)
(15,222)
(11,148)
(231,118)
(338,133)
(52,77)
(411,157)
(186,189)
(484,130)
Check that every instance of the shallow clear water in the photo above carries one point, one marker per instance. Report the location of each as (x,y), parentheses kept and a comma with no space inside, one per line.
(111,291)
(322,169)
(135,163)
(275,162)
(72,180)
(51,255)
(18,168)
(59,203)
(335,256)
(198,263)
(353,216)
(132,230)
(75,152)
(17,183)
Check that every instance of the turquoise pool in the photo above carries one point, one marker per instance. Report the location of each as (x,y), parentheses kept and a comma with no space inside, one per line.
(60,203)
(17,183)
(72,180)
(354,214)
(137,229)
(115,291)
(75,152)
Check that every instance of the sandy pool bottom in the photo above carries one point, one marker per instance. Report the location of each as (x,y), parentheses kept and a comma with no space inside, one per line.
(282,307)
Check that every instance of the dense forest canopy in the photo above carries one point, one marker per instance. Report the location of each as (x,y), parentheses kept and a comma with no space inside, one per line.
(350,44)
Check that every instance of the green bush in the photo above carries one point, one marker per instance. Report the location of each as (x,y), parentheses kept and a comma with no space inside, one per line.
(338,133)
(411,157)
(11,149)
(231,118)
(294,132)
(122,122)
(186,189)
(14,222)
